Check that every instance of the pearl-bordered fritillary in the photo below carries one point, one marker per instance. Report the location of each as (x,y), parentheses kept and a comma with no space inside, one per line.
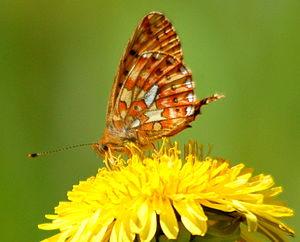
(153,92)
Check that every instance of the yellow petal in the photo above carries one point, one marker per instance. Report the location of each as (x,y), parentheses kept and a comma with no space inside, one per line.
(115,233)
(192,216)
(168,221)
(273,210)
(142,213)
(250,217)
(134,221)
(218,206)
(219,168)
(80,230)
(129,234)
(148,232)
(272,191)
(120,233)
(103,229)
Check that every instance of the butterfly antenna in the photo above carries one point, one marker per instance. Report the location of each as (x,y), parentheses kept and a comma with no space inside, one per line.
(43,153)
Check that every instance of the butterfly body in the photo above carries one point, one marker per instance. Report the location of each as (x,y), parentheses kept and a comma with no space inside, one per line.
(153,92)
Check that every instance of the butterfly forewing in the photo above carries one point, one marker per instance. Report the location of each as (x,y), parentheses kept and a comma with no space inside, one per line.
(154,33)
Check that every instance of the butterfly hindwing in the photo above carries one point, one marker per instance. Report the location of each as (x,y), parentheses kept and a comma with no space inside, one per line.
(157,98)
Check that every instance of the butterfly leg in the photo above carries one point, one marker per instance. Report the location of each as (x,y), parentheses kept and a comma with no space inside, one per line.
(154,147)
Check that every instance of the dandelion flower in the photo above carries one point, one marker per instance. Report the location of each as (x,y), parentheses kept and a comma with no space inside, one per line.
(164,196)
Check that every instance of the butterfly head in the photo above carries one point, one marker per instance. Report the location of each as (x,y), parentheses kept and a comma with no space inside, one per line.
(109,142)
(100,149)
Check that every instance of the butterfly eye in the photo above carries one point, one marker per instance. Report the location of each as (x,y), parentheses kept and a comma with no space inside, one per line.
(105,147)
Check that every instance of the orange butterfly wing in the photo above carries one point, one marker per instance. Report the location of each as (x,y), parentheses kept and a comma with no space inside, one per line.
(154,33)
(157,98)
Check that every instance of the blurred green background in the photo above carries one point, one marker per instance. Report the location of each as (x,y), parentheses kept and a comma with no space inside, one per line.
(57,63)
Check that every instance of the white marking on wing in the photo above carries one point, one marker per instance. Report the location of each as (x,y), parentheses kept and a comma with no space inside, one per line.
(155,115)
(189,83)
(135,123)
(183,70)
(146,55)
(190,111)
(172,113)
(191,97)
(171,60)
(157,56)
(150,95)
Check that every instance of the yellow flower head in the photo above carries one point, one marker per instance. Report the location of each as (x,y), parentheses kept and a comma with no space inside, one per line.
(163,195)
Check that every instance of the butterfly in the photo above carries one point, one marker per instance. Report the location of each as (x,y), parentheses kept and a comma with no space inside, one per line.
(153,92)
